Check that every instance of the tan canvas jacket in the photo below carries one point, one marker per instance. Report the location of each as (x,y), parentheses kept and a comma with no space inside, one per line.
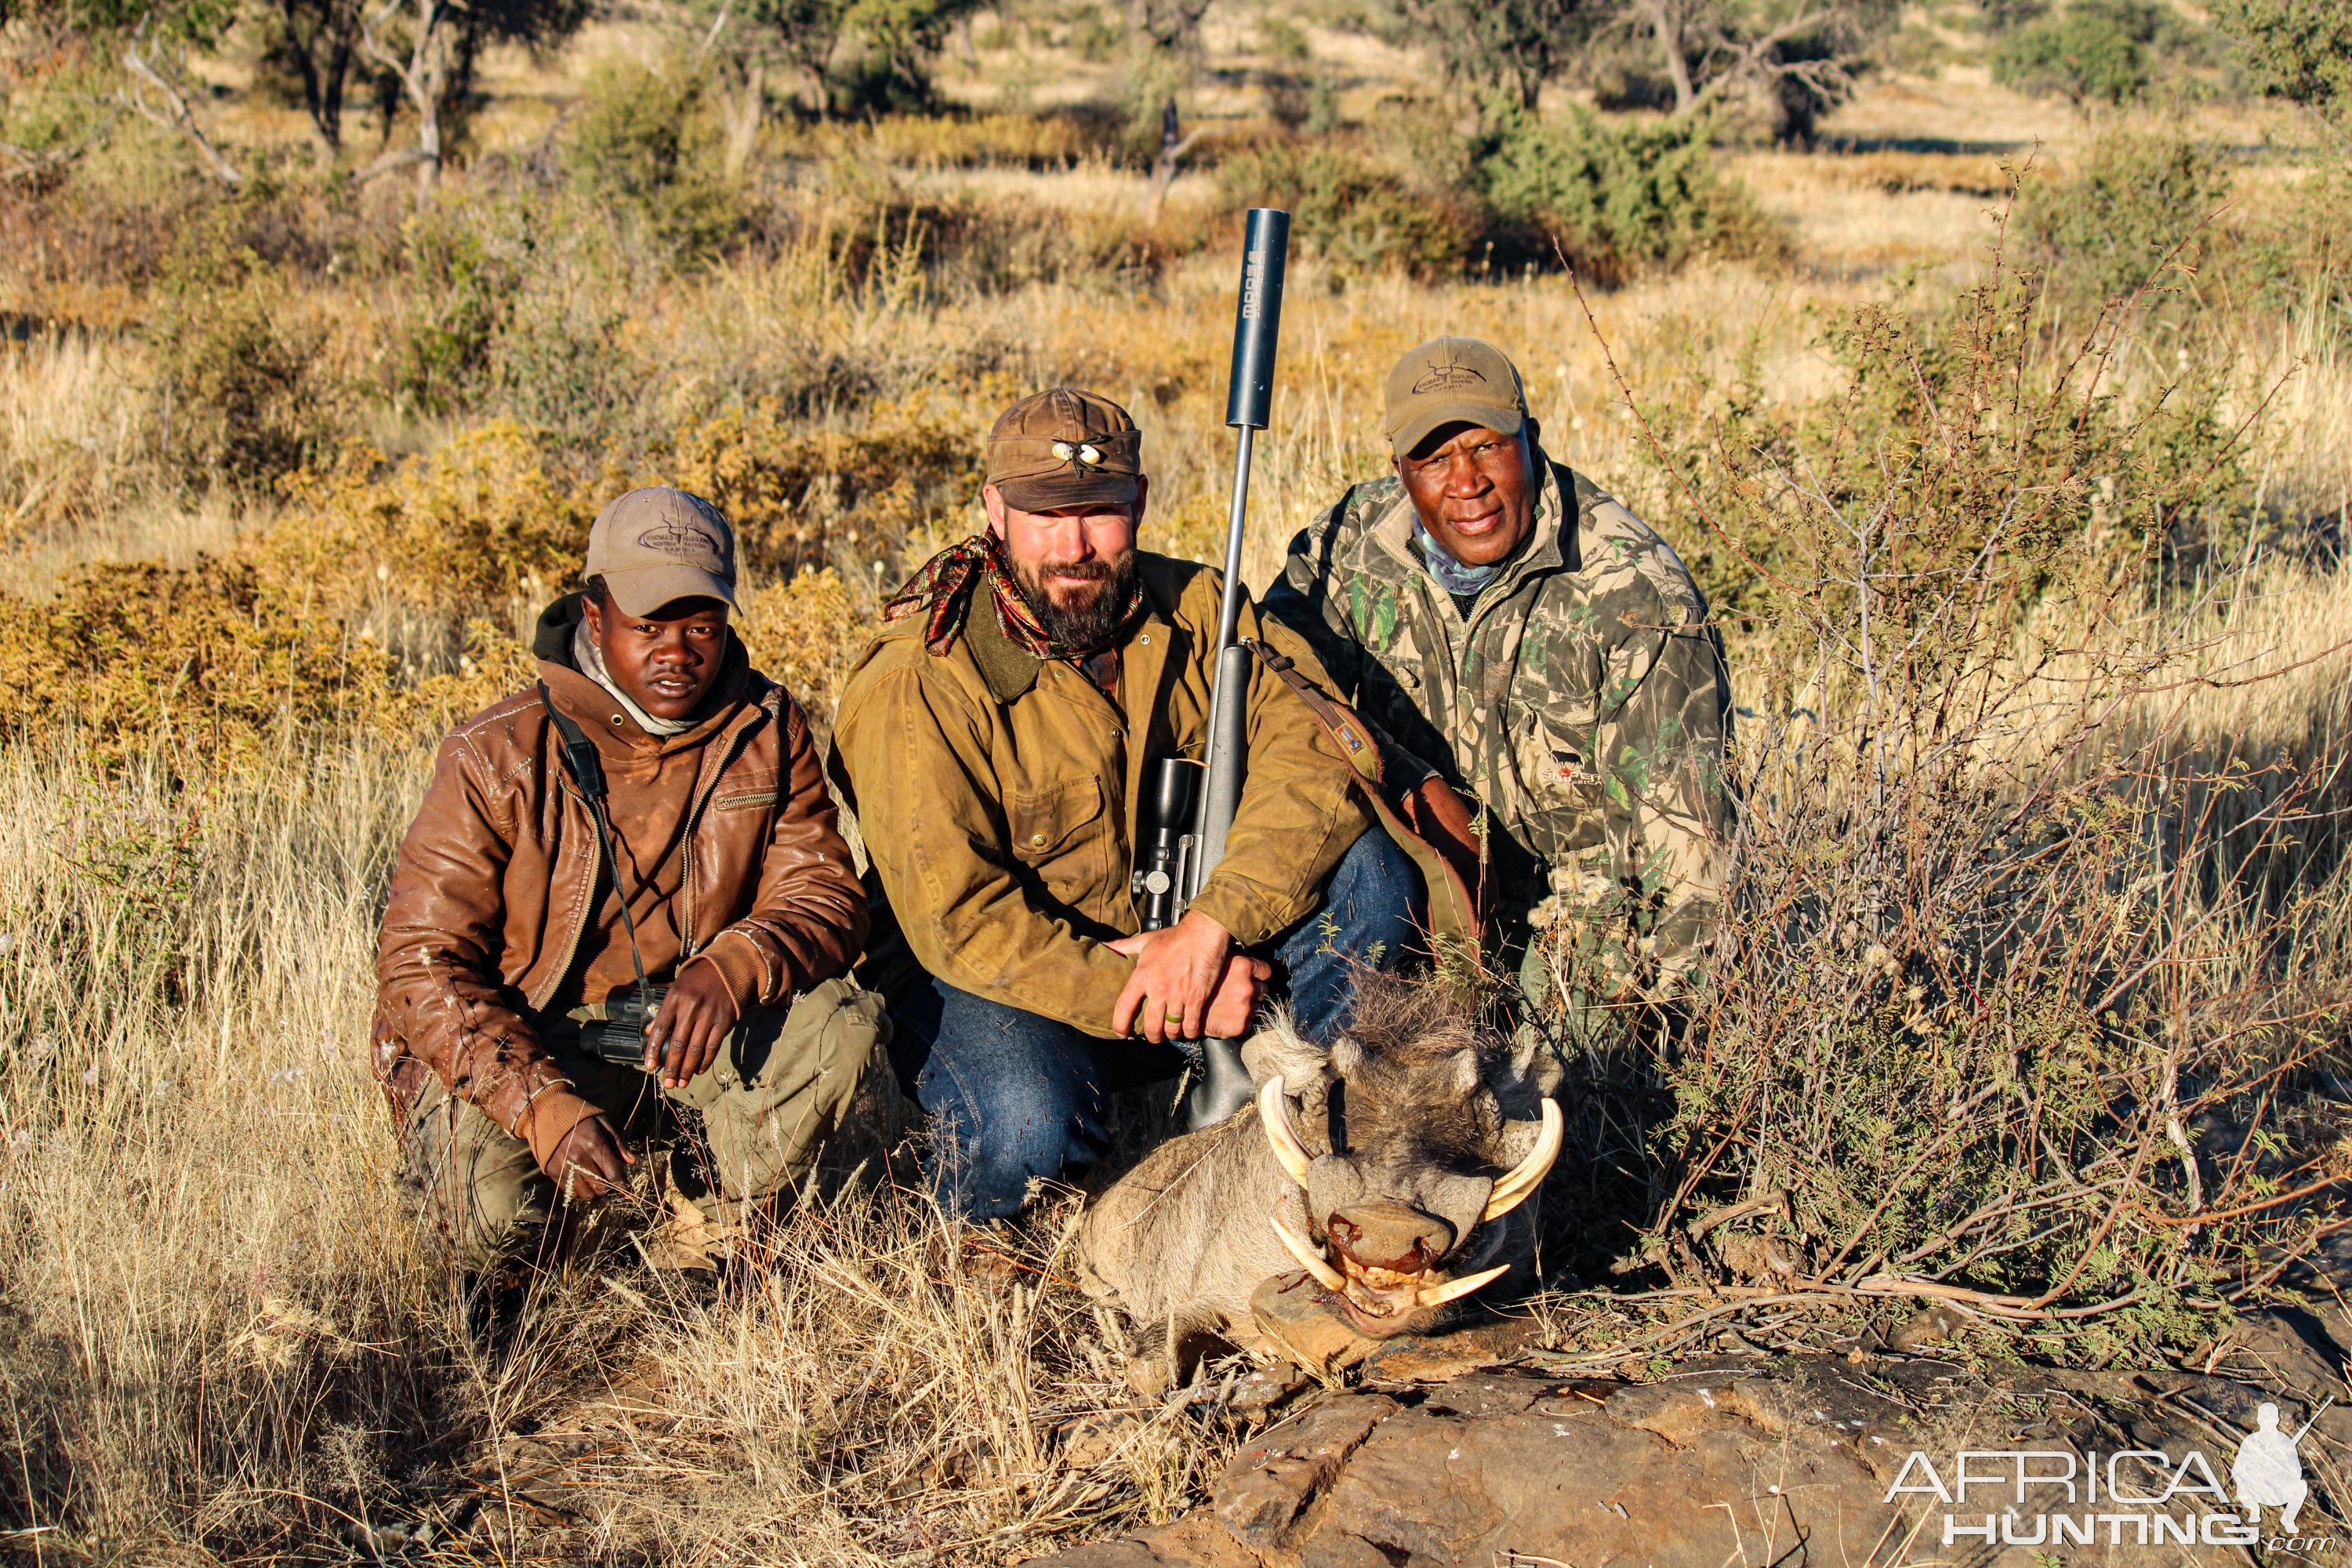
(997,794)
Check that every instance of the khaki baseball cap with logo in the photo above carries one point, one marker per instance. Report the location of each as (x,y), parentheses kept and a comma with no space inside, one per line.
(656,545)
(1453,381)
(1064,447)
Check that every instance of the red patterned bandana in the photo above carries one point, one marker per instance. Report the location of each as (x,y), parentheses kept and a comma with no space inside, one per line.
(944,587)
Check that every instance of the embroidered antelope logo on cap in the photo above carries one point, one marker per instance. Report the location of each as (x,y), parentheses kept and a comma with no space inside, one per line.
(683,537)
(1447,375)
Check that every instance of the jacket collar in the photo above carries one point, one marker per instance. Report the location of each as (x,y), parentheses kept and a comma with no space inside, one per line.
(738,688)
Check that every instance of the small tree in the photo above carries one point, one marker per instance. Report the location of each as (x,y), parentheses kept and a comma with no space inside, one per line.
(1515,45)
(748,43)
(2098,51)
(2299,49)
(1805,53)
(430,47)
(151,40)
(896,42)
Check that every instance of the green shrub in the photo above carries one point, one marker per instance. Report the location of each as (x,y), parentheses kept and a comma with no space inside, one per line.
(245,399)
(2299,49)
(640,148)
(1356,210)
(2097,51)
(1615,199)
(2106,227)
(462,284)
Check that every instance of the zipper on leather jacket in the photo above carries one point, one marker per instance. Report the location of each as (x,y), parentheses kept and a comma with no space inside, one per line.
(566,794)
(686,943)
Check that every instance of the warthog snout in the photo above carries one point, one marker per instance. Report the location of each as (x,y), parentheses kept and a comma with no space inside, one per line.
(1389,1236)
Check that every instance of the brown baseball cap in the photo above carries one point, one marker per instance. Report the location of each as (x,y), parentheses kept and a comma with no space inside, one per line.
(1064,447)
(656,545)
(1453,381)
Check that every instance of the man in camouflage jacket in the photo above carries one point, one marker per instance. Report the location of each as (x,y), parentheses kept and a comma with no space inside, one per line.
(1514,631)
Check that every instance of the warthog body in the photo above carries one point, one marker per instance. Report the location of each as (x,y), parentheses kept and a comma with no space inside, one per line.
(1395,1161)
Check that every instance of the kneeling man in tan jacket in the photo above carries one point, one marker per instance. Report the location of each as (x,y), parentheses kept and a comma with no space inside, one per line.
(996,744)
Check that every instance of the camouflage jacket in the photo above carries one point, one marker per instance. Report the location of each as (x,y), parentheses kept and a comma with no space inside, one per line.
(1584,701)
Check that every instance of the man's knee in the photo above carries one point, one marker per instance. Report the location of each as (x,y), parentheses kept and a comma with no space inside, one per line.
(1011,1096)
(783,1086)
(471,1184)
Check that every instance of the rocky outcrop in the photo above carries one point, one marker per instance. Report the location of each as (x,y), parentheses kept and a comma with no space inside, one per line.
(1755,1462)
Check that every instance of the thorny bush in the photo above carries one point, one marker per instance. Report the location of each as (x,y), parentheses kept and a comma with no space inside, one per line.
(2031,997)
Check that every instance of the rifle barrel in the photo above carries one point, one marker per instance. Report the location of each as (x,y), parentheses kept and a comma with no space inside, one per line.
(1223,1086)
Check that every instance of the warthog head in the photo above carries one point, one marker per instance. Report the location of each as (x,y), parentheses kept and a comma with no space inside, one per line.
(1400,1158)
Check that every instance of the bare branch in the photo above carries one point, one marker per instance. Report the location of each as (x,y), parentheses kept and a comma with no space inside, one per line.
(175,114)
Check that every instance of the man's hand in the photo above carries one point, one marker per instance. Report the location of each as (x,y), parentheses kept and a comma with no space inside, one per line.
(685,1036)
(1234,1005)
(1177,973)
(589,1161)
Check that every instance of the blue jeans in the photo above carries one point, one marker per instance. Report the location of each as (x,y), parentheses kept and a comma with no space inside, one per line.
(1012,1096)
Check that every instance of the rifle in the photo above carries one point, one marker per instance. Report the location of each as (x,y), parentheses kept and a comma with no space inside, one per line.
(1223,1085)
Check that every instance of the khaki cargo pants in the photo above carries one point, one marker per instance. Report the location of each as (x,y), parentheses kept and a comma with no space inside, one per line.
(780,1086)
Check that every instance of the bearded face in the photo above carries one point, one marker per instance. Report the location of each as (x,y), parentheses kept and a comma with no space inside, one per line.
(1079,603)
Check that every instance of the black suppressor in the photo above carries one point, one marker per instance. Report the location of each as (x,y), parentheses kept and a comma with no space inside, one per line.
(1167,817)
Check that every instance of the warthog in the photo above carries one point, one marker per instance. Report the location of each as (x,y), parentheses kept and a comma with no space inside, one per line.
(1385,1166)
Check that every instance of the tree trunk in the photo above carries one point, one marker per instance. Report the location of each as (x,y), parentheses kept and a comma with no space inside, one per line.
(1172,148)
(742,110)
(423,79)
(1666,21)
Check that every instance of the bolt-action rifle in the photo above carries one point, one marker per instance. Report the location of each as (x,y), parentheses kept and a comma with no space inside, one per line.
(1176,864)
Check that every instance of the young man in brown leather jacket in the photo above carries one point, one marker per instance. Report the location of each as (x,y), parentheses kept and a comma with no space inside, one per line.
(520,926)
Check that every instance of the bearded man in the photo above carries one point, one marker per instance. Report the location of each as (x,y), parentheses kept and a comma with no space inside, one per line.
(1511,628)
(994,746)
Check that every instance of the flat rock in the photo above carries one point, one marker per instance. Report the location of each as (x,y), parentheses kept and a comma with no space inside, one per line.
(1741,1460)
(1294,1311)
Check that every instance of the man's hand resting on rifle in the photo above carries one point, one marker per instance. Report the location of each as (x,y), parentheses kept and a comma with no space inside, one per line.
(1187,981)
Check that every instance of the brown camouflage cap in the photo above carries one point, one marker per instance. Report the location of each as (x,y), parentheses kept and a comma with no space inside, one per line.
(1064,447)
(656,545)
(1453,381)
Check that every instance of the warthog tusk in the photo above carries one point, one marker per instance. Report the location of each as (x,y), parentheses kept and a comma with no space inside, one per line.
(1522,1179)
(1308,1258)
(1455,1290)
(1274,1111)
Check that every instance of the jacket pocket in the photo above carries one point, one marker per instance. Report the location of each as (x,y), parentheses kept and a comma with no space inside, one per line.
(744,800)
(1060,833)
(1552,754)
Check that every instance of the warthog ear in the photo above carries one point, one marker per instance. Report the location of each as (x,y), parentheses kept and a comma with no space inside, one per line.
(1467,1073)
(1347,1056)
(1279,1050)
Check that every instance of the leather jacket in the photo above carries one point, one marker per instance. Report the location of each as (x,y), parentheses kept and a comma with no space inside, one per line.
(500,875)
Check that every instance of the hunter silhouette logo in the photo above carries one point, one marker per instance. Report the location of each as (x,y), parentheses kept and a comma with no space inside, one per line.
(1447,375)
(2268,1470)
(681,539)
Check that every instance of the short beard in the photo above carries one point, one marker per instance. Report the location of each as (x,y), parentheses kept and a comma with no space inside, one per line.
(1091,622)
